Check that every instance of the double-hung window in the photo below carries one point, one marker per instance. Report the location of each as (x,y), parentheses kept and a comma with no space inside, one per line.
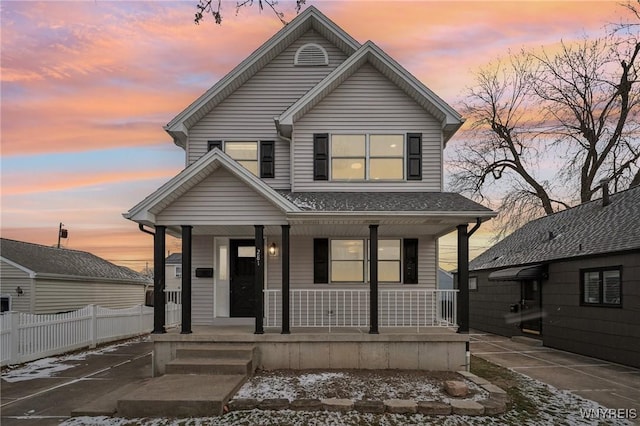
(601,286)
(367,157)
(348,262)
(257,157)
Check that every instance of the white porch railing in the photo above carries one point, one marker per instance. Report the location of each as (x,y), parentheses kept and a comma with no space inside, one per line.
(173,307)
(350,308)
(26,337)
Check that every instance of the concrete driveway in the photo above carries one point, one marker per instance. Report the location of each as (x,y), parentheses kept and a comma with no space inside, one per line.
(611,385)
(49,400)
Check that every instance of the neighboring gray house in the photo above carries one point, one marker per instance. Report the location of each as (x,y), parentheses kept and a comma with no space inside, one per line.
(312,150)
(45,280)
(571,279)
(445,279)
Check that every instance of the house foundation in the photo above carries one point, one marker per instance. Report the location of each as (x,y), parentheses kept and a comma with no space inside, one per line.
(440,349)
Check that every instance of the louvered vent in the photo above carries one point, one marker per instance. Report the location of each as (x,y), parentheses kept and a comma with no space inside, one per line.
(310,55)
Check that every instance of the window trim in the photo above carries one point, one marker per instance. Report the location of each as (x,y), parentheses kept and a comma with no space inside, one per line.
(366,261)
(223,145)
(9,298)
(600,271)
(367,156)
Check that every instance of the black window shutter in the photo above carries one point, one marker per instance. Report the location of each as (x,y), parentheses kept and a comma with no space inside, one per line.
(320,260)
(267,156)
(410,261)
(414,156)
(321,156)
(214,144)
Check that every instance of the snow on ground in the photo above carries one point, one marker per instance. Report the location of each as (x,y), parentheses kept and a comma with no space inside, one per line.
(555,407)
(48,367)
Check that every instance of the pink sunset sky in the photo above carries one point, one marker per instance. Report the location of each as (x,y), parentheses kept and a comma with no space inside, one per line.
(87,87)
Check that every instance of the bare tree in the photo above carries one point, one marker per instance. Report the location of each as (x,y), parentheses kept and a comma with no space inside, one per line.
(576,110)
(214,8)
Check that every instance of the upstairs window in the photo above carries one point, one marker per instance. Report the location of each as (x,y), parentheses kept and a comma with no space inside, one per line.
(257,157)
(367,157)
(178,272)
(601,286)
(310,55)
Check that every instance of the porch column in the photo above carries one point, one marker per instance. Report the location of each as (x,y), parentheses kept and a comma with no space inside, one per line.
(186,279)
(285,279)
(463,279)
(158,279)
(373,279)
(259,278)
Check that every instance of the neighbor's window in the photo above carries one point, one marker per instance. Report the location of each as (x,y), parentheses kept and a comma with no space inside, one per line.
(347,260)
(178,271)
(245,153)
(473,283)
(367,157)
(601,286)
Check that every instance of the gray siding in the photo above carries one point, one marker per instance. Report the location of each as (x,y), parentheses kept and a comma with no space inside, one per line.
(367,103)
(12,277)
(221,199)
(53,296)
(202,300)
(603,332)
(248,113)
(490,303)
(607,333)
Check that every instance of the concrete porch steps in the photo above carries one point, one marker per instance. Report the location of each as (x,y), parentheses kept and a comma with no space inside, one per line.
(180,395)
(209,366)
(197,383)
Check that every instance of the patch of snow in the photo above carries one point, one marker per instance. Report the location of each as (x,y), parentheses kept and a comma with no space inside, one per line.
(48,367)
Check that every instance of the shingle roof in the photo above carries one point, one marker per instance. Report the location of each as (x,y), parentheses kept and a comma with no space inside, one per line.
(50,260)
(383,202)
(174,258)
(587,229)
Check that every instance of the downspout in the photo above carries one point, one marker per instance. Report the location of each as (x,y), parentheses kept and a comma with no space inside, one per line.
(146,287)
(467,356)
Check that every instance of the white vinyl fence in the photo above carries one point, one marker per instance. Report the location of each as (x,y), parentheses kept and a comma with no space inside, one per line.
(350,308)
(26,337)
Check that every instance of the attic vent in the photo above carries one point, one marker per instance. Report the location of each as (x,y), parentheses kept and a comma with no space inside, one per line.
(310,55)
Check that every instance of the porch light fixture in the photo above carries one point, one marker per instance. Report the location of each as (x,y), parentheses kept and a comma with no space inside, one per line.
(273,249)
(19,290)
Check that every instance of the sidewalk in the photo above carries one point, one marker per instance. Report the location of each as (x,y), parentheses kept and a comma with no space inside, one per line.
(611,385)
(47,400)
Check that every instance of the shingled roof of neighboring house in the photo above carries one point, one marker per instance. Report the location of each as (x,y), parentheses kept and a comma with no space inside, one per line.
(382,202)
(587,229)
(52,261)
(174,258)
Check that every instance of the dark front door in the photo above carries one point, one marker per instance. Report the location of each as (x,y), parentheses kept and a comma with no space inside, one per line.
(531,307)
(243,278)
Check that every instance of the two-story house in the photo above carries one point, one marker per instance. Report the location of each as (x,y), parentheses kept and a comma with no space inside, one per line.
(313,192)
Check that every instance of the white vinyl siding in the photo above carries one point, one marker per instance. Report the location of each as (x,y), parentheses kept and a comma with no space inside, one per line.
(53,296)
(369,103)
(248,113)
(12,277)
(221,199)
(202,300)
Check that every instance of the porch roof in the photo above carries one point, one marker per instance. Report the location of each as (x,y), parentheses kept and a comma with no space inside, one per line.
(409,202)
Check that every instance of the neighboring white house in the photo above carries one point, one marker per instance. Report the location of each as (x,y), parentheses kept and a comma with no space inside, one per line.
(44,280)
(173,271)
(311,150)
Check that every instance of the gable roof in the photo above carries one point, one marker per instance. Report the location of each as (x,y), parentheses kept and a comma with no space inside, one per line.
(311,18)
(145,211)
(587,229)
(39,260)
(372,54)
